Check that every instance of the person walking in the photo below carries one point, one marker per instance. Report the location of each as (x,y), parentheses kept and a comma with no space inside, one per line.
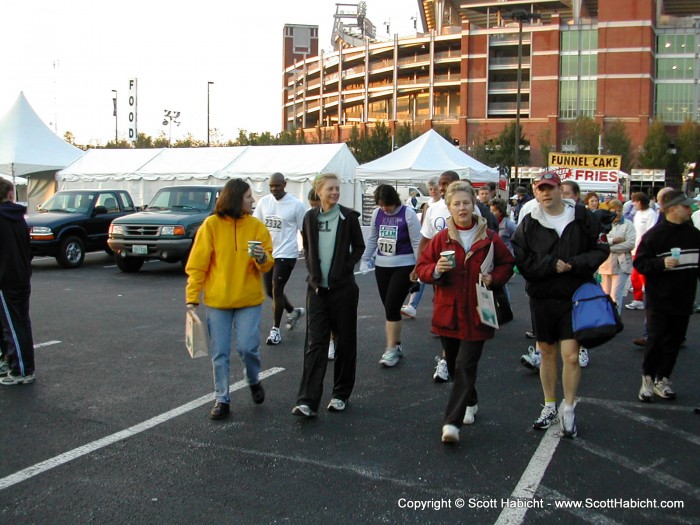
(558,247)
(644,218)
(392,248)
(615,271)
(16,341)
(283,214)
(461,331)
(667,256)
(333,244)
(229,272)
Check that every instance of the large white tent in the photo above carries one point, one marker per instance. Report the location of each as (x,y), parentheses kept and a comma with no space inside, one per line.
(28,147)
(427,156)
(143,171)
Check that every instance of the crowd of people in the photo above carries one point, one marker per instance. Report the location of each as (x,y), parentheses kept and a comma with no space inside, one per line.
(460,241)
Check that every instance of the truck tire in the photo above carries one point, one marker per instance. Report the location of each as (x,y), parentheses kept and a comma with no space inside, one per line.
(72,252)
(129,264)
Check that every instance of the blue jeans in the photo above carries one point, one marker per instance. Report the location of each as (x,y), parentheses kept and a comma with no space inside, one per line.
(245,325)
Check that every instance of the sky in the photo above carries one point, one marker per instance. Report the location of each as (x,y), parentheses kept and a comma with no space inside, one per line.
(68,56)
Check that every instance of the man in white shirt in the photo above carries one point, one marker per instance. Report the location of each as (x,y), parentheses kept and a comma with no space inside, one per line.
(283,215)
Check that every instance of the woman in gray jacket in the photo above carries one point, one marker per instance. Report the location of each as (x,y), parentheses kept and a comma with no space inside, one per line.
(617,268)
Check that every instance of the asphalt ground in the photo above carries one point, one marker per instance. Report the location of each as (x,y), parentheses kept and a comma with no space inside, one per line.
(116,429)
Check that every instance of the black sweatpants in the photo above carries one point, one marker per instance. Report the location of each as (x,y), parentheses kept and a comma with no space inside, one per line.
(333,310)
(393,283)
(665,333)
(462,362)
(17,331)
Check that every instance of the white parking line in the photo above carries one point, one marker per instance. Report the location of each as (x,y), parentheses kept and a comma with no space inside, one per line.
(61,459)
(47,343)
(531,478)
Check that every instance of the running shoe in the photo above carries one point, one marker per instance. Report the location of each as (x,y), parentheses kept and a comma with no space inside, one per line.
(336,405)
(568,420)
(450,434)
(646,391)
(390,357)
(441,375)
(408,311)
(532,359)
(293,318)
(469,415)
(547,416)
(275,337)
(635,305)
(583,357)
(662,388)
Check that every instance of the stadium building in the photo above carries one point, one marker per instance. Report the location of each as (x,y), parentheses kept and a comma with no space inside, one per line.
(615,60)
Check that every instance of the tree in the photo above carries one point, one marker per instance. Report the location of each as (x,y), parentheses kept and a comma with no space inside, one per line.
(505,155)
(655,154)
(485,151)
(545,139)
(144,141)
(161,141)
(405,133)
(584,135)
(120,144)
(688,142)
(616,141)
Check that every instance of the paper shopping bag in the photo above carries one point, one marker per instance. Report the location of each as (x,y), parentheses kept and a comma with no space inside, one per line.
(486,306)
(196,339)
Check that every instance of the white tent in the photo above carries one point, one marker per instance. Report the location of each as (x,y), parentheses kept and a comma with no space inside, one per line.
(300,164)
(143,171)
(28,146)
(427,156)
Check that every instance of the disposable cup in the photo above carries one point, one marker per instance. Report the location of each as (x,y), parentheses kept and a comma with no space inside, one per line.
(449,255)
(676,253)
(251,247)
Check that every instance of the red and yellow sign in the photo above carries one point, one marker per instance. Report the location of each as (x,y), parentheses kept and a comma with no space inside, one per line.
(585,162)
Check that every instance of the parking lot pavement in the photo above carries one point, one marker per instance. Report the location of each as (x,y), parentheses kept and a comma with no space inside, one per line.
(116,427)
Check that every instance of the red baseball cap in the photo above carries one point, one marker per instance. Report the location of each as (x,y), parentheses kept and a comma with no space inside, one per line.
(548,178)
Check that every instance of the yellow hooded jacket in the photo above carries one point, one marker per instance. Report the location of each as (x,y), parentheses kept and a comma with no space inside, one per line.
(219,263)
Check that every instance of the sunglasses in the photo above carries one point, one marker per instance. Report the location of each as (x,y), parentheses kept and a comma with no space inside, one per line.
(548,176)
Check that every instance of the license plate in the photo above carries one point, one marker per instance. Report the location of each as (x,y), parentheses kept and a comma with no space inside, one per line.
(139,249)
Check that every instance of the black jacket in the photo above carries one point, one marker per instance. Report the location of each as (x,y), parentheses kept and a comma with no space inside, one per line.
(15,260)
(669,290)
(537,249)
(349,247)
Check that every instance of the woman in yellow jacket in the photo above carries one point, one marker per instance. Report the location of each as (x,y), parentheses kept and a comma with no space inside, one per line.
(231,279)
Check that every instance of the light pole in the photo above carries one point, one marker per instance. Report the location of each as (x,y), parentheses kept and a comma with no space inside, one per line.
(208,127)
(170,116)
(114,113)
(520,16)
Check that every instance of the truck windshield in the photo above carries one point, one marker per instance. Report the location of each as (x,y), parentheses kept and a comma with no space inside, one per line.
(68,203)
(181,199)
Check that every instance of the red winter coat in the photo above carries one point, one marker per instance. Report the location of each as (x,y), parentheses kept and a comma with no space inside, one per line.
(455,307)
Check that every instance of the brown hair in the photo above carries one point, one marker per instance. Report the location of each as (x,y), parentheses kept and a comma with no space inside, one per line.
(230,203)
(5,188)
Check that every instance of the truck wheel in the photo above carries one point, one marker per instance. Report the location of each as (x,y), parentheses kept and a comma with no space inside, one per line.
(128,264)
(71,253)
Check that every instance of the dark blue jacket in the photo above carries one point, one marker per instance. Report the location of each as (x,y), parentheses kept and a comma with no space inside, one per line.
(15,260)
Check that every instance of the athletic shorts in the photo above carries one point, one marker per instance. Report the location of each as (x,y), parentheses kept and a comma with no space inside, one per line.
(551,319)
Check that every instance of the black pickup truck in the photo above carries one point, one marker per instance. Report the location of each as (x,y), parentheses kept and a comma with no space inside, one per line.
(73,222)
(165,230)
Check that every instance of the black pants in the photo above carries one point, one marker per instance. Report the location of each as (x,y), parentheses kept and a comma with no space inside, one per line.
(393,284)
(665,333)
(275,280)
(18,344)
(329,311)
(462,361)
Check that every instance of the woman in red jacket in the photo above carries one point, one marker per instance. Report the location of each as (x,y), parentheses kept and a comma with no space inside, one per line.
(455,317)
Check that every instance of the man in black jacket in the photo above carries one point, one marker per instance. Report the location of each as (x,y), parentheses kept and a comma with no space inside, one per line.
(17,363)
(557,248)
(667,256)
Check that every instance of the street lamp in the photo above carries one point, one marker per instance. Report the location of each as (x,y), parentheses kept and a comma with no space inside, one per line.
(170,116)
(208,127)
(114,113)
(520,16)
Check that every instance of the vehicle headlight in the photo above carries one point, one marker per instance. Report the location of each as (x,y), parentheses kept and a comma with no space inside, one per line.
(172,230)
(40,232)
(116,229)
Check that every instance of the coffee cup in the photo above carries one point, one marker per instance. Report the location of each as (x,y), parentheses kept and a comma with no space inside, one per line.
(450,256)
(676,253)
(251,247)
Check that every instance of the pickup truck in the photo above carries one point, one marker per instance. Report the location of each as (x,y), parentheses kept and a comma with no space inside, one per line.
(165,230)
(73,222)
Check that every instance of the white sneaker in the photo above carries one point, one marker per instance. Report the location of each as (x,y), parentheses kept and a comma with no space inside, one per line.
(450,434)
(274,338)
(408,311)
(568,419)
(532,359)
(331,350)
(583,357)
(469,415)
(390,357)
(662,388)
(441,375)
(646,391)
(293,318)
(635,305)
(336,405)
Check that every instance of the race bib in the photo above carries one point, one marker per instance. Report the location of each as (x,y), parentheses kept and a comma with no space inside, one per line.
(273,223)
(386,244)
